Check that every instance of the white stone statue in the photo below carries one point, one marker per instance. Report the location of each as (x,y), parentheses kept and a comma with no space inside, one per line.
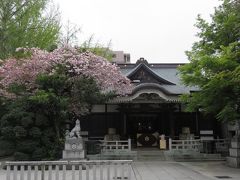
(75,132)
(74,145)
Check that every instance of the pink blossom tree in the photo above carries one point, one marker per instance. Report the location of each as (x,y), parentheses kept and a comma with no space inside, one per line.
(24,71)
(47,89)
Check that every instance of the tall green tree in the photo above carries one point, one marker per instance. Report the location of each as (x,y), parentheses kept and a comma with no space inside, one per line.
(96,48)
(27,23)
(69,37)
(215,64)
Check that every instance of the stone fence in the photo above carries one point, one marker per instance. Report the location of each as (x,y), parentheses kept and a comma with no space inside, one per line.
(116,145)
(69,170)
(208,146)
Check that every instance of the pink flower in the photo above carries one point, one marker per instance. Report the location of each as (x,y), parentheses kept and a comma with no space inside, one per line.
(25,71)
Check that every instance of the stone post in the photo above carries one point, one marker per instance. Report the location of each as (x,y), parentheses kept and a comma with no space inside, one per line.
(234,151)
(170,144)
(129,144)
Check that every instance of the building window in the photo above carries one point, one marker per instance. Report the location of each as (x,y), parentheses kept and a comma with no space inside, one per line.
(126,58)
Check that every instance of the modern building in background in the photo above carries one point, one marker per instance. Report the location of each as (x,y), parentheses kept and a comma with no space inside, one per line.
(120,57)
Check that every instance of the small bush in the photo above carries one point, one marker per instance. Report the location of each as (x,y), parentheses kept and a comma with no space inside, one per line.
(39,154)
(7,133)
(27,146)
(6,148)
(35,132)
(19,156)
(20,131)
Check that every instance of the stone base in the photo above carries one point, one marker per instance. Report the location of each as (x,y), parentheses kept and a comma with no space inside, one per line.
(234,152)
(74,149)
(78,143)
(233,162)
(235,144)
(76,155)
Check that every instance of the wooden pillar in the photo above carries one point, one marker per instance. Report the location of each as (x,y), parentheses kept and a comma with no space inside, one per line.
(106,118)
(180,107)
(172,125)
(197,121)
(124,124)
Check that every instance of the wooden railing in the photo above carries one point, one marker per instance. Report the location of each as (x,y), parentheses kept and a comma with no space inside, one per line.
(116,145)
(69,170)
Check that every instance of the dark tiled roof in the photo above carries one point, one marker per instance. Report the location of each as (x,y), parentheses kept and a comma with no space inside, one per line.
(165,71)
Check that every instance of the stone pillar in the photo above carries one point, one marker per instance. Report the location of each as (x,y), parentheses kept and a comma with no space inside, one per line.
(234,159)
(74,144)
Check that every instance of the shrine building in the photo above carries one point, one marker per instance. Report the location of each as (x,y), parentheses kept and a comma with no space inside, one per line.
(152,109)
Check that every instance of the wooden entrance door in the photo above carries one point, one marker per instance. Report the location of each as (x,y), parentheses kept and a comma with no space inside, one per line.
(143,128)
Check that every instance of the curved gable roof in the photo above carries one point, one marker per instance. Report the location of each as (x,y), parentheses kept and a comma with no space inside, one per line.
(142,71)
(166,73)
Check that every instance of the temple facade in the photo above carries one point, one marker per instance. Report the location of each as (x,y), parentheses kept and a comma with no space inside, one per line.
(152,109)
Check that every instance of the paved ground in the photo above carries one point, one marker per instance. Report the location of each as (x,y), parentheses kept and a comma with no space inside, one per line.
(213,169)
(183,171)
(163,170)
(166,171)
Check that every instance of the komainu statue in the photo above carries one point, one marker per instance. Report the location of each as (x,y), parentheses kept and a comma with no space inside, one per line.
(75,132)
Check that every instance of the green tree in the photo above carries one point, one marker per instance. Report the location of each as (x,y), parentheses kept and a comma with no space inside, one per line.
(44,92)
(96,48)
(215,64)
(32,127)
(27,23)
(69,37)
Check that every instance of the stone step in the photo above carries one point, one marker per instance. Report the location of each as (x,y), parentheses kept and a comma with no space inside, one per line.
(151,155)
(150,152)
(151,159)
(111,157)
(190,155)
(199,157)
(117,155)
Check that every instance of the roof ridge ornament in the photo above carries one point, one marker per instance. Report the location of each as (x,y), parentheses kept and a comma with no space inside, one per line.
(141,60)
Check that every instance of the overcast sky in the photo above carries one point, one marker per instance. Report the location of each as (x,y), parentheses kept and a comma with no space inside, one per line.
(158,30)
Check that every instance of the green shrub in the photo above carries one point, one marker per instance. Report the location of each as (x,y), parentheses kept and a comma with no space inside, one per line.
(19,156)
(27,120)
(27,146)
(35,132)
(7,148)
(20,131)
(7,132)
(39,154)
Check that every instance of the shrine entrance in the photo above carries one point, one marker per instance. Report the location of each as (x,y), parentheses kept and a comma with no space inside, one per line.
(142,123)
(144,129)
(147,121)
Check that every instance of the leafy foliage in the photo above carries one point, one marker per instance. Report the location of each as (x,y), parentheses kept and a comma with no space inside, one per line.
(96,48)
(46,90)
(215,64)
(27,23)
(70,62)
